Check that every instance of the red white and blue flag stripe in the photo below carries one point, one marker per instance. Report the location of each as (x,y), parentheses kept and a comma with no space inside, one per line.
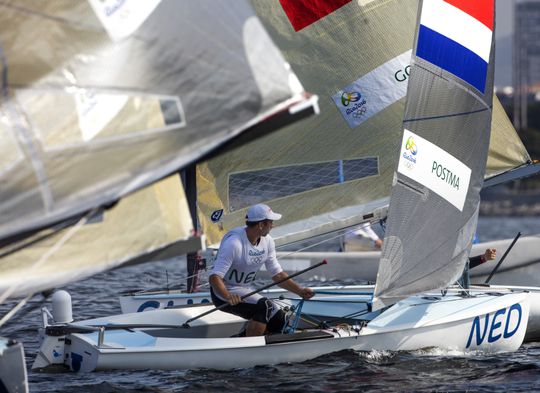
(456,36)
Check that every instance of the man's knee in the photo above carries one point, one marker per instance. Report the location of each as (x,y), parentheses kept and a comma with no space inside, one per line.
(264,310)
(268,313)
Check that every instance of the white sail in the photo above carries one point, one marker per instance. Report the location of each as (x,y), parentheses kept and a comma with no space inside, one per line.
(333,171)
(436,194)
(101,98)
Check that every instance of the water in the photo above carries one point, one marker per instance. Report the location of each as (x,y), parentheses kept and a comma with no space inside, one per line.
(347,371)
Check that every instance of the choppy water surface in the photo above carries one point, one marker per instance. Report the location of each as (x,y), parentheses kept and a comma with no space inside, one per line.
(346,371)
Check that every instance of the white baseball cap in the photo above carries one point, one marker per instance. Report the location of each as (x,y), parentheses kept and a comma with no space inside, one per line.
(261,212)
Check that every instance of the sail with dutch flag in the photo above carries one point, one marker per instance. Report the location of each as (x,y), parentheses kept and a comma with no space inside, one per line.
(436,194)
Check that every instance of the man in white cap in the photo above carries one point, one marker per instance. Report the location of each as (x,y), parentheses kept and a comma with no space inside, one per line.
(242,253)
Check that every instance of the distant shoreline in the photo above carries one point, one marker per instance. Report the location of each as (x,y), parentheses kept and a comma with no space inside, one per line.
(506,207)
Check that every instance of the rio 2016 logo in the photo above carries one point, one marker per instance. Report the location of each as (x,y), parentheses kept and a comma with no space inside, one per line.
(347,98)
(410,152)
(360,112)
(410,145)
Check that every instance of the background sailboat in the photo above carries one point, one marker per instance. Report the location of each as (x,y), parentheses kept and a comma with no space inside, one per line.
(341,161)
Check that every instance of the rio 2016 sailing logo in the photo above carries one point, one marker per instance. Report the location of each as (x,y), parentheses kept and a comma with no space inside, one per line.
(347,98)
(358,109)
(411,150)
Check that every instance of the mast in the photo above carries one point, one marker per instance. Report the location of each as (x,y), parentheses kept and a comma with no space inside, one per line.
(194,260)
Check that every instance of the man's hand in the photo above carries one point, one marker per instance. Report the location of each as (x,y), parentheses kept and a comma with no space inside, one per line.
(378,244)
(307,293)
(489,255)
(233,299)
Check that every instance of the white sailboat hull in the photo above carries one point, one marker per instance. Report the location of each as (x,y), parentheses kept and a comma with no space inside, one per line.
(219,353)
(330,302)
(485,323)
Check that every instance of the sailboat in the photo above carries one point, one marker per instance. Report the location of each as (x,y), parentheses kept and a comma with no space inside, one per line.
(338,165)
(103,103)
(442,104)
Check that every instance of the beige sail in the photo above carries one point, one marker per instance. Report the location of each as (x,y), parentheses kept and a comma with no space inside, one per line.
(506,150)
(143,223)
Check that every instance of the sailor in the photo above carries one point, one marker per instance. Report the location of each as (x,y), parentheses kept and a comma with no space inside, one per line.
(489,255)
(362,238)
(243,251)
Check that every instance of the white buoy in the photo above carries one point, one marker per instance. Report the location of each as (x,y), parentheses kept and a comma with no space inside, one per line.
(61,307)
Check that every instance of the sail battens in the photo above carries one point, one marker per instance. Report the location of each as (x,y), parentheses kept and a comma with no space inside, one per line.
(445,116)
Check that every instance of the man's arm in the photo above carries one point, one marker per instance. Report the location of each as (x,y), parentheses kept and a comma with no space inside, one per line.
(367,231)
(292,286)
(221,290)
(489,255)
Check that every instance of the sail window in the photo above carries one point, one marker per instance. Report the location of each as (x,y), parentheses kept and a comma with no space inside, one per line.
(86,115)
(247,188)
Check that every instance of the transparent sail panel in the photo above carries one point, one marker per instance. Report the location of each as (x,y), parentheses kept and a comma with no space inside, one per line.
(85,115)
(249,188)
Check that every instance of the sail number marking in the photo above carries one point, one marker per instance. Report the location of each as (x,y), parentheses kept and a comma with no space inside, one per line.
(495,330)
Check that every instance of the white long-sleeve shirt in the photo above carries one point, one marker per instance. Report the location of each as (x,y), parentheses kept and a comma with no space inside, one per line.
(238,261)
(363,230)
